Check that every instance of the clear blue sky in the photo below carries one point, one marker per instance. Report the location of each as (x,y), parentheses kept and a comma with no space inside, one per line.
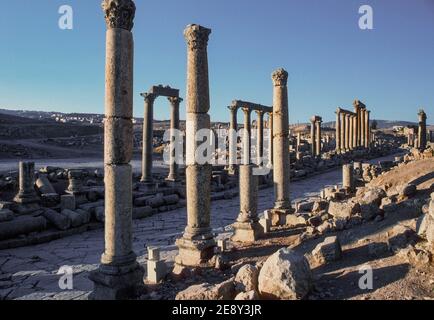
(330,60)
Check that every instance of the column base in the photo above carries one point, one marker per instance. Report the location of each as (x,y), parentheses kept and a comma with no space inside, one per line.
(25,208)
(117,282)
(27,199)
(194,253)
(247,232)
(278,216)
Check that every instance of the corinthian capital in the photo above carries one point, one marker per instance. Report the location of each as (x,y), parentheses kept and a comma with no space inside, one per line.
(196,36)
(175,101)
(149,97)
(280,78)
(119,14)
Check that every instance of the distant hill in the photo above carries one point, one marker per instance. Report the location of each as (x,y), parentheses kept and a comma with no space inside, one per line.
(381,124)
(13,127)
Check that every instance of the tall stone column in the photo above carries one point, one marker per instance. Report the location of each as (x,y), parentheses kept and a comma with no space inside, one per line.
(247,227)
(338,130)
(362,127)
(233,139)
(422,130)
(347,132)
(351,132)
(119,276)
(318,137)
(271,145)
(354,131)
(247,131)
(26,193)
(343,132)
(148,137)
(367,129)
(174,128)
(281,173)
(196,247)
(260,138)
(313,136)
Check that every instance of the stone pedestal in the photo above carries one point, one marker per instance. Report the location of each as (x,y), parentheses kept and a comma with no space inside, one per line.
(26,193)
(196,247)
(119,276)
(75,186)
(281,167)
(247,227)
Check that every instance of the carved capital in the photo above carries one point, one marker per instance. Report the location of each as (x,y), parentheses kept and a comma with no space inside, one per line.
(280,78)
(119,14)
(175,101)
(233,108)
(149,97)
(197,36)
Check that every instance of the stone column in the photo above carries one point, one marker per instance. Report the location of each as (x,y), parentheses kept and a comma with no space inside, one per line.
(347,132)
(351,132)
(313,136)
(422,130)
(260,138)
(174,128)
(281,173)
(298,153)
(148,137)
(119,276)
(246,136)
(271,145)
(367,129)
(355,131)
(247,227)
(362,127)
(196,247)
(318,137)
(338,130)
(26,193)
(348,177)
(233,139)
(343,132)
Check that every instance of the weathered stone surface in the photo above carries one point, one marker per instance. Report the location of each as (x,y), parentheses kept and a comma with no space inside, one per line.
(142,212)
(100,214)
(6,215)
(206,291)
(67,202)
(343,209)
(59,220)
(285,275)
(377,249)
(247,278)
(44,185)
(247,296)
(21,226)
(369,211)
(371,195)
(327,251)
(76,218)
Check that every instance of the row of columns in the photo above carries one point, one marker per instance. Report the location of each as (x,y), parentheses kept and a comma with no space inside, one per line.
(233,141)
(315,134)
(352,128)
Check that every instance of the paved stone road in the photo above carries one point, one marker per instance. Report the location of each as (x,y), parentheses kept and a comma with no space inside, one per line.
(31,272)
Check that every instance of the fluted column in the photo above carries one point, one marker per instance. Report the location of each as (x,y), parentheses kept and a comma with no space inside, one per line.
(148,137)
(281,173)
(347,132)
(422,130)
(247,130)
(196,246)
(351,132)
(318,137)
(260,138)
(338,130)
(233,128)
(343,132)
(354,118)
(119,276)
(174,127)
